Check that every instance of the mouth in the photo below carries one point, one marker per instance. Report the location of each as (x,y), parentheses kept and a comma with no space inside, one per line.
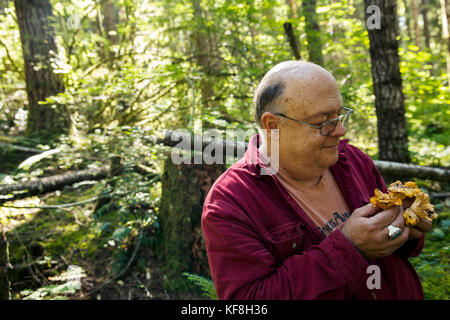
(330,147)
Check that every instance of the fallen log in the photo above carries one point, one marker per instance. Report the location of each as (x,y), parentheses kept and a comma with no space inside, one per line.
(387,168)
(395,169)
(20,148)
(7,142)
(440,195)
(172,139)
(15,191)
(49,184)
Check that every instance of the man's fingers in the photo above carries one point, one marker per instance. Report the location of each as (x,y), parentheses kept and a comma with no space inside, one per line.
(399,221)
(386,217)
(424,225)
(415,233)
(366,211)
(402,238)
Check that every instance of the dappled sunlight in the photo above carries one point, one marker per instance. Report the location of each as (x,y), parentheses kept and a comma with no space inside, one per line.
(15,216)
(99,196)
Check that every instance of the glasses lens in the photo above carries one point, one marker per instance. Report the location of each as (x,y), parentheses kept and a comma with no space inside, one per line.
(346,118)
(328,127)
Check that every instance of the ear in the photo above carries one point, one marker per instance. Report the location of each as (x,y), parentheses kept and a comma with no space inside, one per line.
(269,121)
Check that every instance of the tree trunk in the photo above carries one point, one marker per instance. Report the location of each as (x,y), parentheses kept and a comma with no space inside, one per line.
(312,32)
(445,15)
(447,11)
(127,15)
(445,35)
(292,40)
(415,10)
(205,49)
(407,20)
(293,6)
(107,29)
(426,30)
(387,85)
(38,45)
(110,21)
(180,244)
(5,292)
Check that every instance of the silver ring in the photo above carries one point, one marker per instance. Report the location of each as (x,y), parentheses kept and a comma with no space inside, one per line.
(394,232)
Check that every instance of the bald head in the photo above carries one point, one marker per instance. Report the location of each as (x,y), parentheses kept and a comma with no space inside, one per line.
(310,80)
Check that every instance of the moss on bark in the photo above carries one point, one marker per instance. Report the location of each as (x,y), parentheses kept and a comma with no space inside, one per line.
(180,245)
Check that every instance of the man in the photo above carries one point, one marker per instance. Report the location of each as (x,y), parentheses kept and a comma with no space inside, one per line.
(307,231)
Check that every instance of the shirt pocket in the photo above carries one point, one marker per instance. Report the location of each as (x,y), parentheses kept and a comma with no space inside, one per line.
(284,240)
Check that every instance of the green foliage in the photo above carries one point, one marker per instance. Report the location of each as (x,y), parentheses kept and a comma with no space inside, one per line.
(72,284)
(206,285)
(197,69)
(112,232)
(433,264)
(427,101)
(160,70)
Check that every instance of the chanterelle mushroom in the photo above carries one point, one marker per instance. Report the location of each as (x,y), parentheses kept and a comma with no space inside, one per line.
(408,190)
(421,208)
(385,200)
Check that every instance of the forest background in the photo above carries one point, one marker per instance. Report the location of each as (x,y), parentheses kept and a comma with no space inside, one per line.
(88,87)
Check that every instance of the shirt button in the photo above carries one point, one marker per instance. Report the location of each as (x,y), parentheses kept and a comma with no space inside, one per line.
(294,245)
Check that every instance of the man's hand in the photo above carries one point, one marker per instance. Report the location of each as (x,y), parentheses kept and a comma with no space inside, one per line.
(367,230)
(418,231)
(423,227)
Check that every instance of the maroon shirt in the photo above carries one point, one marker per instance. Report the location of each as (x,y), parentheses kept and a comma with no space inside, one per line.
(262,245)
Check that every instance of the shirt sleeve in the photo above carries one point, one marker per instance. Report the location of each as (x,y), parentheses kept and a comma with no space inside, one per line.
(243,268)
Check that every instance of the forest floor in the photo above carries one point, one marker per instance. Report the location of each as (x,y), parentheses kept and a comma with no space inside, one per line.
(44,245)
(69,253)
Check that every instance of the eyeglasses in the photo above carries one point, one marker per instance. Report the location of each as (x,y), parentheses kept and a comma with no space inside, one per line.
(327,127)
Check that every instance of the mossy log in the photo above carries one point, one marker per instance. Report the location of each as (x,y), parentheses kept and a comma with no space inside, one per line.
(386,168)
(49,184)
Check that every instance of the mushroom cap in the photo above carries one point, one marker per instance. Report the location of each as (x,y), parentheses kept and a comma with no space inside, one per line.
(411,219)
(421,208)
(407,190)
(385,200)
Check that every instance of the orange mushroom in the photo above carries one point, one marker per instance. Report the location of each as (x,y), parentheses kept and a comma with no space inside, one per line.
(385,200)
(421,208)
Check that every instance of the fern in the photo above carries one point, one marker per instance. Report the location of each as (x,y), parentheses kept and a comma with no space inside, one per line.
(207,286)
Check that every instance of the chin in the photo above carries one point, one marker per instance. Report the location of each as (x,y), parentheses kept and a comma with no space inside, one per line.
(330,160)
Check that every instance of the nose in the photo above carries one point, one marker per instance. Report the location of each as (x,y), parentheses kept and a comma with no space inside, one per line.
(339,131)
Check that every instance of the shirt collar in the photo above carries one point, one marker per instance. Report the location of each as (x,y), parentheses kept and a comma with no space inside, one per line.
(252,157)
(341,149)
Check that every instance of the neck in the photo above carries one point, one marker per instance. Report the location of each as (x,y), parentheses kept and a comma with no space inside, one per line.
(306,181)
(308,178)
